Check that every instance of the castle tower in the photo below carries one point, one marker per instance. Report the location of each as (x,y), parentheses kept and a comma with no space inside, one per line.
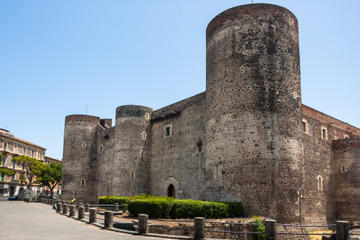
(79,157)
(346,155)
(131,176)
(253,109)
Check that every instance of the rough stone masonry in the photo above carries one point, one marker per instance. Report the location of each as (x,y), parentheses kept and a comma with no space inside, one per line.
(246,138)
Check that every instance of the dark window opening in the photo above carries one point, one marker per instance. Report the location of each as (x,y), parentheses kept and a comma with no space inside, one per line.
(106,137)
(199,145)
(323,134)
(171,191)
(102,122)
(82,182)
(132,175)
(167,131)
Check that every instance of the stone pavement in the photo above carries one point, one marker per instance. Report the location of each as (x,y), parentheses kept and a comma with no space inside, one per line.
(36,221)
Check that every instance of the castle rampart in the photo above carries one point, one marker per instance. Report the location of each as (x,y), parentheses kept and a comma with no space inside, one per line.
(253,107)
(247,137)
(347,178)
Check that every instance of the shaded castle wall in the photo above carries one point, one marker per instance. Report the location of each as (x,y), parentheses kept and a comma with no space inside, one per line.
(318,203)
(253,108)
(347,178)
(177,159)
(130,169)
(79,157)
(105,156)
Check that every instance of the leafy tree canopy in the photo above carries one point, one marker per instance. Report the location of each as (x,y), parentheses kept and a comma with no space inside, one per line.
(50,175)
(6,171)
(32,168)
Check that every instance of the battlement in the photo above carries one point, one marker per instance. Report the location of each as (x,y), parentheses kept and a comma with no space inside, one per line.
(81,118)
(132,111)
(239,12)
(342,144)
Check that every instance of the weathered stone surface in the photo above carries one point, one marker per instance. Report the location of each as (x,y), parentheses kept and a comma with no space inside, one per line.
(241,139)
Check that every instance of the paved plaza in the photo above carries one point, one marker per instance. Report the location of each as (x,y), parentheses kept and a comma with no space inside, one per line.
(36,221)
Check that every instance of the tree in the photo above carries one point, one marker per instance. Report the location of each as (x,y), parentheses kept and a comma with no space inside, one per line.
(50,176)
(5,170)
(32,168)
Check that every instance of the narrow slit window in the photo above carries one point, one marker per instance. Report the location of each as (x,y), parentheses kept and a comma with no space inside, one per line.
(168,131)
(304,126)
(324,134)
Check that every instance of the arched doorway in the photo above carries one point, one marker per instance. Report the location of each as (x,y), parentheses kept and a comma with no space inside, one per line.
(171,191)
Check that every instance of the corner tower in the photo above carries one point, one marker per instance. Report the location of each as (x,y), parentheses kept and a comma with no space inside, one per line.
(253,109)
(131,176)
(79,157)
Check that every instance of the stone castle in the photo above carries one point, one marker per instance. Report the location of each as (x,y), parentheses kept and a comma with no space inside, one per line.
(247,137)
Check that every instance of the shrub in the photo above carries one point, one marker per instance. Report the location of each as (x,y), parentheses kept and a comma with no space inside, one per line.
(167,207)
(155,208)
(259,227)
(113,199)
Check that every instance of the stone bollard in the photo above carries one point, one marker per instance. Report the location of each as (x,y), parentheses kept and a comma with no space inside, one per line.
(270,230)
(65,208)
(142,225)
(116,207)
(199,227)
(108,220)
(72,211)
(92,215)
(58,207)
(87,206)
(342,230)
(81,211)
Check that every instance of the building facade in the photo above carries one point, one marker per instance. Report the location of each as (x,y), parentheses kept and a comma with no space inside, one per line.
(248,137)
(10,147)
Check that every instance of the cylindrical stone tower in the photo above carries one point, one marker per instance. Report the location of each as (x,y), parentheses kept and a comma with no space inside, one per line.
(346,155)
(131,138)
(79,157)
(253,109)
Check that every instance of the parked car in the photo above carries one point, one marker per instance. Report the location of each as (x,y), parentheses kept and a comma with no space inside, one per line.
(12,198)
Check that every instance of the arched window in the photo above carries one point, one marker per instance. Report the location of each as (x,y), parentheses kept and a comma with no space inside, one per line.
(320,183)
(171,191)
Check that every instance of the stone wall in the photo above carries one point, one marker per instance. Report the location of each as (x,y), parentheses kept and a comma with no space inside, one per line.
(239,140)
(131,174)
(80,163)
(347,178)
(105,155)
(177,157)
(253,108)
(318,189)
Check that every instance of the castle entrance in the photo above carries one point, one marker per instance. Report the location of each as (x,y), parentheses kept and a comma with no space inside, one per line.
(171,191)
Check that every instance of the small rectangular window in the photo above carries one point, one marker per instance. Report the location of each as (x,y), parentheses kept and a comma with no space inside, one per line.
(167,131)
(304,126)
(324,134)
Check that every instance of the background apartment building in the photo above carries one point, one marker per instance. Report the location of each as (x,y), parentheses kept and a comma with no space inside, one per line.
(11,146)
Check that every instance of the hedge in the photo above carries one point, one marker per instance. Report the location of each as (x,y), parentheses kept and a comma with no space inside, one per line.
(167,207)
(113,199)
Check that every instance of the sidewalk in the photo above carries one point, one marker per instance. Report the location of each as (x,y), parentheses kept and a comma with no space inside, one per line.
(36,221)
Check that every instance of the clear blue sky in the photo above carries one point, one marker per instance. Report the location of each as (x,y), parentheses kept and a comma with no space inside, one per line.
(57,57)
